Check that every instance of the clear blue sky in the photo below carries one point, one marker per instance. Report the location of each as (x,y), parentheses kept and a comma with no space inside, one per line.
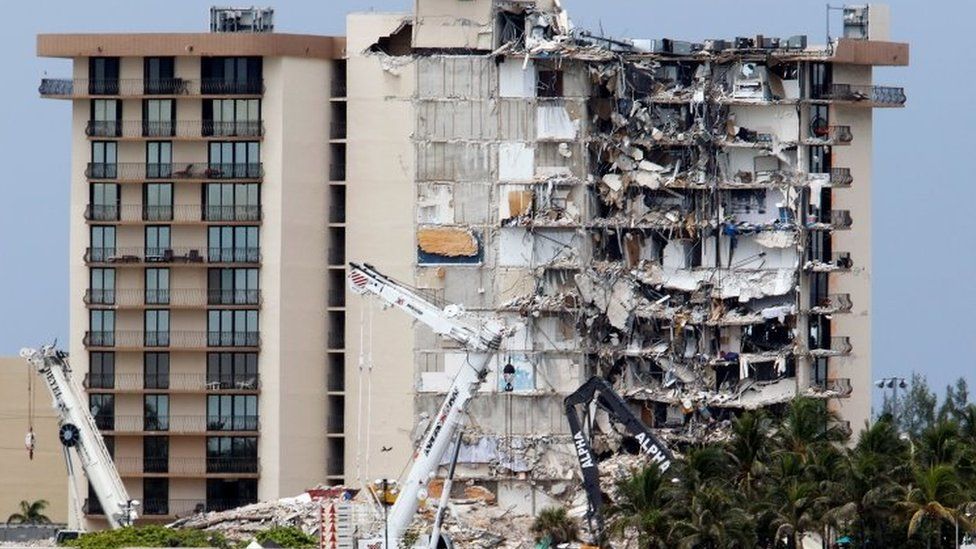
(924,189)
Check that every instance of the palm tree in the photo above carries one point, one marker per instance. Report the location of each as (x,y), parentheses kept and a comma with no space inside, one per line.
(641,507)
(933,499)
(809,423)
(554,523)
(792,499)
(715,520)
(748,450)
(30,513)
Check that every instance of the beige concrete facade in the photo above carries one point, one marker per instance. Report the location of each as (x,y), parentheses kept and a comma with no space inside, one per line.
(280,400)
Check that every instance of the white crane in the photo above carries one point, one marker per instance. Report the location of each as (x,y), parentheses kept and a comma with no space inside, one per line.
(79,431)
(481,340)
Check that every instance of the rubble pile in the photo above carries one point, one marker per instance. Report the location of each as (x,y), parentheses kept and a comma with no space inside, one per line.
(243,523)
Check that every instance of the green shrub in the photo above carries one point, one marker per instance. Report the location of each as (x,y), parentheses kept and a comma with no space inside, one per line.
(556,524)
(286,536)
(149,536)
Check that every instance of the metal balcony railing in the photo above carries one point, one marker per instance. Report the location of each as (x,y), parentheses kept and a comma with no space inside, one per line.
(833,303)
(177,213)
(173,170)
(173,297)
(838,261)
(183,423)
(336,423)
(834,346)
(878,95)
(836,177)
(836,388)
(174,128)
(82,87)
(172,382)
(833,219)
(830,135)
(173,339)
(171,255)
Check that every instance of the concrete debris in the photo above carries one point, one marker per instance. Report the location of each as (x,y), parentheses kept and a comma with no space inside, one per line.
(243,523)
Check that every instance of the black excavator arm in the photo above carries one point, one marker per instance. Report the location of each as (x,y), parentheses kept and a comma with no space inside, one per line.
(608,400)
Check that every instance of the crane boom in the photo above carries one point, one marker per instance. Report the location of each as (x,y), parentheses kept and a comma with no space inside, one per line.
(481,340)
(79,431)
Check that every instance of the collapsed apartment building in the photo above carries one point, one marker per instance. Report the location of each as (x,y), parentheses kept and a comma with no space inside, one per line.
(690,220)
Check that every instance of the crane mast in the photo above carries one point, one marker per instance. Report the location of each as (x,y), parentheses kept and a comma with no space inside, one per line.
(481,341)
(79,431)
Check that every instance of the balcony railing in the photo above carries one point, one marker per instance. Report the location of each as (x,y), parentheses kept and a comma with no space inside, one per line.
(183,423)
(82,87)
(173,170)
(830,135)
(173,297)
(835,346)
(172,382)
(129,465)
(833,219)
(174,128)
(176,213)
(836,177)
(838,261)
(878,95)
(833,303)
(172,255)
(173,339)
(832,388)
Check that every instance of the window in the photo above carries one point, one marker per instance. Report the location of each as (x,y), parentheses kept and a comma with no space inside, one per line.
(158,242)
(549,83)
(157,328)
(232,202)
(101,370)
(158,117)
(231,75)
(157,202)
(234,159)
(103,75)
(106,118)
(102,328)
(102,408)
(155,370)
(103,202)
(819,159)
(101,287)
(156,413)
(102,243)
(104,158)
(158,76)
(159,159)
(240,117)
(232,328)
(231,455)
(232,244)
(232,287)
(157,286)
(155,454)
(232,371)
(821,78)
(232,412)
(155,496)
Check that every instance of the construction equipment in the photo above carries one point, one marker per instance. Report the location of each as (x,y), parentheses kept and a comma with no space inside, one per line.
(78,431)
(481,339)
(598,391)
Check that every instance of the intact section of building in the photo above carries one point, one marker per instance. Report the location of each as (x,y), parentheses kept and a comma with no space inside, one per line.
(690,220)
(200,204)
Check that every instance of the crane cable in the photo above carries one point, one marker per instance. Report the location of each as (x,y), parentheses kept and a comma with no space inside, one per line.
(30,439)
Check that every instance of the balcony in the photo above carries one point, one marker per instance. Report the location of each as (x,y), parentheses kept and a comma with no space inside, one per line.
(829,135)
(836,177)
(183,424)
(874,96)
(68,88)
(834,346)
(138,171)
(838,261)
(174,383)
(171,256)
(831,388)
(137,298)
(179,213)
(183,340)
(138,129)
(833,220)
(833,303)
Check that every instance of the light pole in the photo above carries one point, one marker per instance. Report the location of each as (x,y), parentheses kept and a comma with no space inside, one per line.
(893,383)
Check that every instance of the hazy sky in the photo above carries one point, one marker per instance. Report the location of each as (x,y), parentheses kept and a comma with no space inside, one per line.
(923,191)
